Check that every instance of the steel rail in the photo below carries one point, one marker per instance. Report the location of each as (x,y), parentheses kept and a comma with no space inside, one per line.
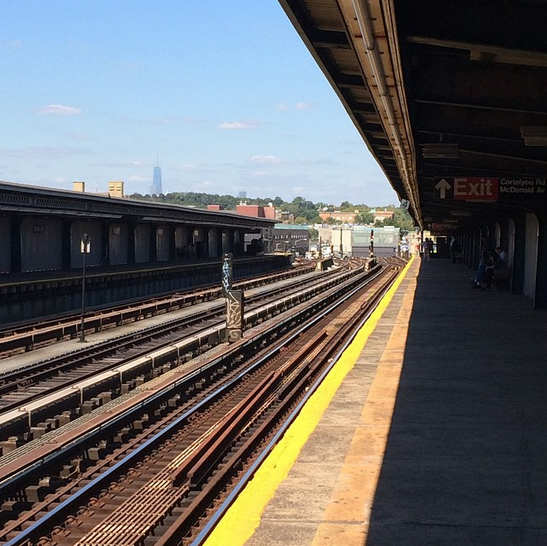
(53,367)
(22,537)
(250,342)
(214,518)
(25,336)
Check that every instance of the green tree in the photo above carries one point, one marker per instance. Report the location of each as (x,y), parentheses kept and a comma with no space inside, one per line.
(365,217)
(401,219)
(346,206)
(301,207)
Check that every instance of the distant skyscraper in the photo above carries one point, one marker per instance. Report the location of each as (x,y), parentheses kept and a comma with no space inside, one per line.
(156,181)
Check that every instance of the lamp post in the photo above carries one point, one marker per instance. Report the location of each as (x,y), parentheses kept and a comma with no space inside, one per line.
(85,248)
(295,243)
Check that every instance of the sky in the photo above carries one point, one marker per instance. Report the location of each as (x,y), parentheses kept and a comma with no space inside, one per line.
(224,96)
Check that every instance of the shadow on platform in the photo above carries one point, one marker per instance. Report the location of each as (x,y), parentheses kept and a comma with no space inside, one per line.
(465,457)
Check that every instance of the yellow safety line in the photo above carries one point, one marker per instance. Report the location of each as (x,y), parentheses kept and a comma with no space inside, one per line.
(243,517)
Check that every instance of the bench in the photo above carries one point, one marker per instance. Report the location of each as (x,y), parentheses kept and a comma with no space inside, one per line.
(502,277)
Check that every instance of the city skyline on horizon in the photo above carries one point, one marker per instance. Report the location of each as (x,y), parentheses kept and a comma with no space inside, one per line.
(156,188)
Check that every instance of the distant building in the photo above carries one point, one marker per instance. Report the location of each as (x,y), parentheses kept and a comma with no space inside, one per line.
(156,188)
(290,238)
(282,238)
(382,215)
(116,188)
(344,217)
(256,211)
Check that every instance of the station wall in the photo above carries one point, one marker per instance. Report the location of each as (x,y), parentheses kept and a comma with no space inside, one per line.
(531,255)
(142,243)
(43,248)
(118,238)
(53,243)
(162,242)
(5,247)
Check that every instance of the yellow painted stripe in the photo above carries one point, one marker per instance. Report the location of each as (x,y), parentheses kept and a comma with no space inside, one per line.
(243,517)
(346,519)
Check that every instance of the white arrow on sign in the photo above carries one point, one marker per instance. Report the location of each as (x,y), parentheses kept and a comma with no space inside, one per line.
(442,186)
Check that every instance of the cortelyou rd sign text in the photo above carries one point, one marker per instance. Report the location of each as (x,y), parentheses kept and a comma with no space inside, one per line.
(522,186)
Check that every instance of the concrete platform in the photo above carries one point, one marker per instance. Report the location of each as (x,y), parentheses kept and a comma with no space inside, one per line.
(437,435)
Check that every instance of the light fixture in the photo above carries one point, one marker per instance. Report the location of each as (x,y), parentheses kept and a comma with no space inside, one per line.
(440,150)
(534,135)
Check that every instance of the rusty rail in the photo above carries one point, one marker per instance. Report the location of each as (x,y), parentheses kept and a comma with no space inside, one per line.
(182,480)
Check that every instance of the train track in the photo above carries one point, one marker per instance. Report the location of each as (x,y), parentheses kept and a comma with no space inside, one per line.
(157,470)
(28,336)
(34,400)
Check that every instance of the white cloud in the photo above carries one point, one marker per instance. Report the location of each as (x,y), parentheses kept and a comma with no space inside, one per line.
(271,159)
(59,109)
(283,106)
(236,125)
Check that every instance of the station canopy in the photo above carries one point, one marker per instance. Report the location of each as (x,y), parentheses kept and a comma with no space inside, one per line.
(450,97)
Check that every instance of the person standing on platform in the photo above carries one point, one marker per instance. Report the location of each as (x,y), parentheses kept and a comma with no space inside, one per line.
(478,278)
(500,261)
(488,271)
(485,271)
(454,249)
(428,247)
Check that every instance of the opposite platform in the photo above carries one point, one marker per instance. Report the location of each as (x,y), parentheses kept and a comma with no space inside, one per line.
(436,436)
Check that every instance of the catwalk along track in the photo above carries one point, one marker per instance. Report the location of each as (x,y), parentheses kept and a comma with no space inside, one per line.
(158,456)
(26,336)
